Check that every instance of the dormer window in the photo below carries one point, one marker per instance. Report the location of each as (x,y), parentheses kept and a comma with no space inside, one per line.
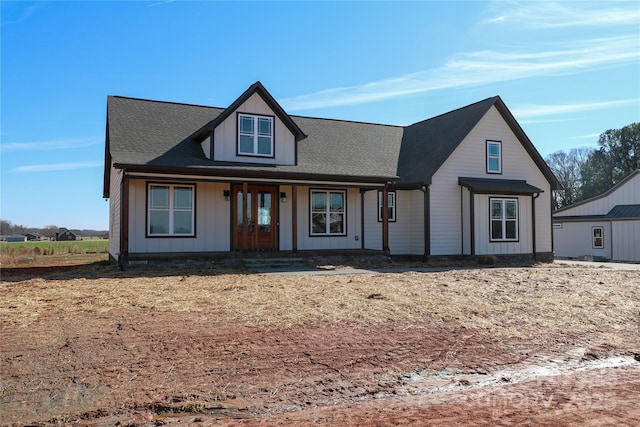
(255,135)
(494,157)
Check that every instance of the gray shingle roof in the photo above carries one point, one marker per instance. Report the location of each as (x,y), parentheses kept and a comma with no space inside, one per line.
(428,144)
(153,133)
(163,136)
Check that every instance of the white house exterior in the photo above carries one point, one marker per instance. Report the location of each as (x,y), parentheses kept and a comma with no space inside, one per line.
(193,180)
(603,227)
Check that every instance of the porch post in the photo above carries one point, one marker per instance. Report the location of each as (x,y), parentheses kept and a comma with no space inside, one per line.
(294,218)
(245,217)
(385,220)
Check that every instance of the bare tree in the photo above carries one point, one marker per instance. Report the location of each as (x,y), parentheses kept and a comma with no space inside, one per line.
(567,167)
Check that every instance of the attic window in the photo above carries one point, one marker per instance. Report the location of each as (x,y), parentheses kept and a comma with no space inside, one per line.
(494,157)
(255,135)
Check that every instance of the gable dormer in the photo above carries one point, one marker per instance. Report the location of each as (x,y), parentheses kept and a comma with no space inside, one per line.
(253,129)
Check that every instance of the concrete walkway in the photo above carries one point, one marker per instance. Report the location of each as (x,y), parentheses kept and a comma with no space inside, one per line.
(400,269)
(612,265)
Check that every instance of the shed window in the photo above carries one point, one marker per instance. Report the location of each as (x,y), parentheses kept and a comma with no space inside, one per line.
(597,234)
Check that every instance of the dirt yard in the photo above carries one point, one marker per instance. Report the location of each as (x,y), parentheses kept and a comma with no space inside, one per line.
(93,345)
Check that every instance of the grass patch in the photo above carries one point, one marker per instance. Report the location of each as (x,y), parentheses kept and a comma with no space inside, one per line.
(15,254)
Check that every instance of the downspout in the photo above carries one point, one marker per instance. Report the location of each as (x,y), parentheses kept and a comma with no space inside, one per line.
(534,196)
(427,220)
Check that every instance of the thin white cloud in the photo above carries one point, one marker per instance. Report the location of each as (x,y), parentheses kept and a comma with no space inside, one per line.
(588,136)
(549,15)
(539,110)
(160,3)
(58,167)
(51,144)
(478,68)
(24,15)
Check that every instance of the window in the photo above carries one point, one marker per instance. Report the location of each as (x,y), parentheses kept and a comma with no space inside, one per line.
(494,157)
(170,210)
(255,135)
(391,206)
(597,237)
(504,219)
(328,213)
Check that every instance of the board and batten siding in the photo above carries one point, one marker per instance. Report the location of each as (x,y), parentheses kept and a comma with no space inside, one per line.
(406,234)
(114,212)
(353,222)
(285,218)
(212,221)
(469,160)
(574,239)
(627,194)
(226,137)
(483,242)
(625,240)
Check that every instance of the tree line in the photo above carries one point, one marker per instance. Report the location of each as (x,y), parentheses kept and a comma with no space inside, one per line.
(588,172)
(8,228)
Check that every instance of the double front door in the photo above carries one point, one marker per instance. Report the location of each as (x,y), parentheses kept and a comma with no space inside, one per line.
(254,222)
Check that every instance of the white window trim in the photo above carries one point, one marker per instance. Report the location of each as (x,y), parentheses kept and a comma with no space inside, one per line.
(499,157)
(593,237)
(392,205)
(171,210)
(255,135)
(504,220)
(327,212)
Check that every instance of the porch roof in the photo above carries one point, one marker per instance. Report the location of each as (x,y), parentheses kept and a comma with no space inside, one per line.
(498,186)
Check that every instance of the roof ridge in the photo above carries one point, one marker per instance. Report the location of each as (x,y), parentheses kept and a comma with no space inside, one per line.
(187,104)
(494,98)
(345,121)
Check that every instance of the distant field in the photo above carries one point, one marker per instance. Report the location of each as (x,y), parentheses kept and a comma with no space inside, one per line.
(78,246)
(50,252)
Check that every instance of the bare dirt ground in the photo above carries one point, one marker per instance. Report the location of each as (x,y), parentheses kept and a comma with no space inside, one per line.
(546,345)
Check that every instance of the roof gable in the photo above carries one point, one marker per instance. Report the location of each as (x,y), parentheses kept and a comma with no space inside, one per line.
(441,135)
(256,88)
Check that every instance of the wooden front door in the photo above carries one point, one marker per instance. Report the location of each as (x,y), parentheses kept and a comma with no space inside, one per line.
(259,219)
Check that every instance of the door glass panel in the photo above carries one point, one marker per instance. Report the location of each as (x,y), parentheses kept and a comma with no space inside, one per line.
(240,211)
(264,211)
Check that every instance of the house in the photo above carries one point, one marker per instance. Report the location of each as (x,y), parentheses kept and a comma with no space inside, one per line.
(64,235)
(602,227)
(35,236)
(188,179)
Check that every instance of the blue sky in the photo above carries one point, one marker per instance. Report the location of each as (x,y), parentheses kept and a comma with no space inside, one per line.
(568,71)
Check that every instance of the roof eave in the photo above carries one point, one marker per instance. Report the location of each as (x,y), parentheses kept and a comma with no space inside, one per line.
(249,174)
(527,144)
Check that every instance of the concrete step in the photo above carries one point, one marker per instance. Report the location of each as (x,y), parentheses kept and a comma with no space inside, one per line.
(268,263)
